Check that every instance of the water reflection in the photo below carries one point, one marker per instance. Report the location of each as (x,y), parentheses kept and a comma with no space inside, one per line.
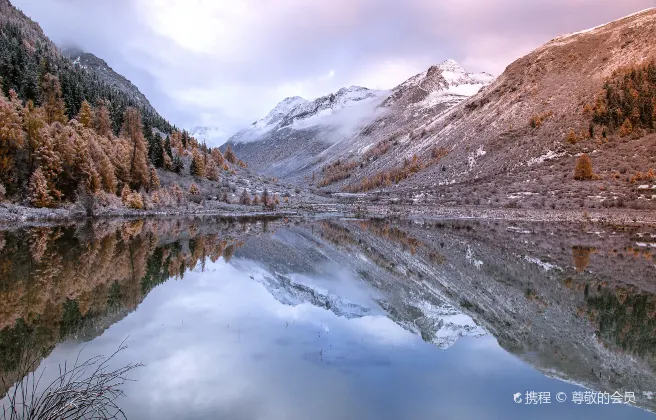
(337,318)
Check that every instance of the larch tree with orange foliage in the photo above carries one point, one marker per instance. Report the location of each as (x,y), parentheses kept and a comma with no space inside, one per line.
(11,140)
(133,131)
(53,104)
(85,116)
(102,122)
(230,155)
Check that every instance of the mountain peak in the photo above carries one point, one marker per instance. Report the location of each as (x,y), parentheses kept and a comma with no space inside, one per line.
(440,84)
(451,65)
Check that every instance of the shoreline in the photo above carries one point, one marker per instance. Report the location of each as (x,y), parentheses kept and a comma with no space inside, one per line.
(16,216)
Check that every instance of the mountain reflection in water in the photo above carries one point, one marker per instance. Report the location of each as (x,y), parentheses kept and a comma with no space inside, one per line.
(278,318)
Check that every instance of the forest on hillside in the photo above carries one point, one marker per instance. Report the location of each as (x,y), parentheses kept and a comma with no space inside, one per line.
(66,136)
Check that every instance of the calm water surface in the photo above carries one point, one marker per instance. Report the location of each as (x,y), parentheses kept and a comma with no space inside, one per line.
(340,319)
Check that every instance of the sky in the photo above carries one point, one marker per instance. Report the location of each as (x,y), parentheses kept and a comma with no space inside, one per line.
(225,64)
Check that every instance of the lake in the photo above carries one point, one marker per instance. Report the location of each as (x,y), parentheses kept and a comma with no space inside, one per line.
(341,319)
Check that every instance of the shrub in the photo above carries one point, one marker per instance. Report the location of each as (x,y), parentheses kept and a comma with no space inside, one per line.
(583,168)
(134,201)
(537,120)
(647,176)
(3,192)
(193,189)
(572,138)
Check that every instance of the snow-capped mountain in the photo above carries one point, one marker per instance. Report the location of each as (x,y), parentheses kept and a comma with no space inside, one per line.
(298,137)
(445,82)
(298,113)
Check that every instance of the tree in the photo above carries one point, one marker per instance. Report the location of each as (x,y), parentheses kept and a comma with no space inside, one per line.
(193,189)
(626,128)
(265,197)
(39,194)
(104,166)
(102,121)
(33,122)
(230,155)
(86,173)
(85,116)
(245,198)
(197,167)
(11,140)
(132,129)
(49,161)
(583,168)
(53,104)
(256,200)
(211,170)
(156,152)
(218,157)
(154,183)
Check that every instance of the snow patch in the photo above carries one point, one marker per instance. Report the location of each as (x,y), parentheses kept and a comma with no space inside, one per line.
(545,265)
(547,156)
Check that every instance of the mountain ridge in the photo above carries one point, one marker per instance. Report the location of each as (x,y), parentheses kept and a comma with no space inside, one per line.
(324,128)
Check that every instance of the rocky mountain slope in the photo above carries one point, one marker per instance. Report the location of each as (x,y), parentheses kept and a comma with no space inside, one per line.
(448,137)
(298,137)
(292,263)
(104,73)
(516,142)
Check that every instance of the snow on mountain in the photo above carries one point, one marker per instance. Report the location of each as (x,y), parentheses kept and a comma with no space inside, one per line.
(298,113)
(442,83)
(283,108)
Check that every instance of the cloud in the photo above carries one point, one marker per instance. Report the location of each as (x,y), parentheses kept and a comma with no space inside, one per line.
(228,63)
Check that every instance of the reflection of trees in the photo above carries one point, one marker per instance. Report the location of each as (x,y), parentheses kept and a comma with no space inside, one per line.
(58,281)
(627,320)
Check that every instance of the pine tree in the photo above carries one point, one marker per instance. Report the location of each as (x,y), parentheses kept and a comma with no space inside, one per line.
(53,104)
(85,116)
(197,167)
(39,195)
(132,129)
